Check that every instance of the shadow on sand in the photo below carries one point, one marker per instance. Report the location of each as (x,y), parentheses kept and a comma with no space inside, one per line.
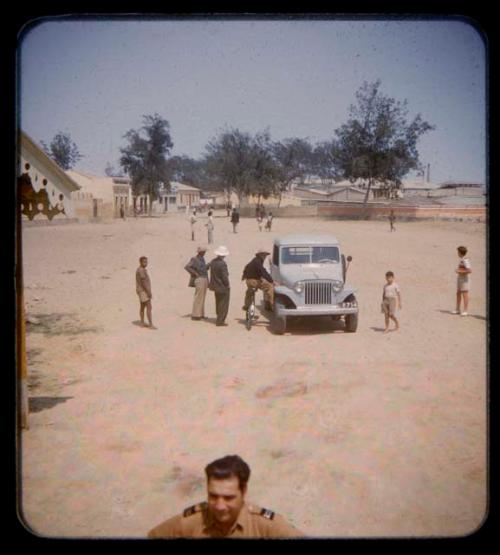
(476,316)
(37,404)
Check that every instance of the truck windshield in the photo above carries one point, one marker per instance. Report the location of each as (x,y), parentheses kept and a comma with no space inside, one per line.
(309,255)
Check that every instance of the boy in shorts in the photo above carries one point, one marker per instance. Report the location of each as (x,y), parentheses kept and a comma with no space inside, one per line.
(391,299)
(463,281)
(143,288)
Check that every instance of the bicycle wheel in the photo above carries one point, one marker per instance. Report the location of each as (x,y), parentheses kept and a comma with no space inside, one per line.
(250,314)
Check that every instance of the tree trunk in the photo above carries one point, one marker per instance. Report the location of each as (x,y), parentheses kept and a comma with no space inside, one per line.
(365,201)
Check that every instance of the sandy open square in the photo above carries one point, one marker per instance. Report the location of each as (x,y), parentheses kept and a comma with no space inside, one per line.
(347,435)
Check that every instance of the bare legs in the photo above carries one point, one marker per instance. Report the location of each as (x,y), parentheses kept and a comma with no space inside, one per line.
(149,312)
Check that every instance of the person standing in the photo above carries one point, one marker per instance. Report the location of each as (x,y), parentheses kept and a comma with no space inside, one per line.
(219,284)
(463,281)
(391,299)
(235,218)
(392,219)
(198,269)
(259,221)
(143,289)
(269,222)
(210,227)
(192,221)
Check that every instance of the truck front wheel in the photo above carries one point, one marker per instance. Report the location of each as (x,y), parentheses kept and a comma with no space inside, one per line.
(351,323)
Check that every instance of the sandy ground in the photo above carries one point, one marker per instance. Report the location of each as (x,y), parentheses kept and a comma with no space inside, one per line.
(347,435)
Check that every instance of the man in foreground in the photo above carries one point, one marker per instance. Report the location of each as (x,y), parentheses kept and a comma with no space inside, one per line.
(226,514)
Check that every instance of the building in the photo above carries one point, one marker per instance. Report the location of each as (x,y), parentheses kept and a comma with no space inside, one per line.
(465,188)
(418,187)
(109,195)
(46,175)
(179,197)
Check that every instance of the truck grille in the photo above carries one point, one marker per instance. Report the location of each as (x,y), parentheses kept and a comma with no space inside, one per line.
(318,292)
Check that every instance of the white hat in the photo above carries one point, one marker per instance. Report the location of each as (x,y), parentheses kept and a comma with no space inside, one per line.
(201,248)
(262,250)
(221,251)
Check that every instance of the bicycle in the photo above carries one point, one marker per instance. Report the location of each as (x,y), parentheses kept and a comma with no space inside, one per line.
(250,312)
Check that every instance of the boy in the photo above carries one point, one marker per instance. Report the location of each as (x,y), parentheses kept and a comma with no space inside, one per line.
(390,298)
(143,288)
(463,280)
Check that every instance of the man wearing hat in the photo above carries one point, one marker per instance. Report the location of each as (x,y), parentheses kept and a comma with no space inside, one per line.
(198,269)
(257,277)
(219,284)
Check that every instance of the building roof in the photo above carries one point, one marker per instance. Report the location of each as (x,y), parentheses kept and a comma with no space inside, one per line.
(175,185)
(454,184)
(28,143)
(418,184)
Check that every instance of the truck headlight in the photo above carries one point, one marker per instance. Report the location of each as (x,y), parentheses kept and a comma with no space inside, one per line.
(298,287)
(337,286)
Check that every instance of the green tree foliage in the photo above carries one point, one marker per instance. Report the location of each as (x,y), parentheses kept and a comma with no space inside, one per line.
(377,143)
(264,171)
(188,170)
(229,161)
(144,158)
(63,150)
(293,159)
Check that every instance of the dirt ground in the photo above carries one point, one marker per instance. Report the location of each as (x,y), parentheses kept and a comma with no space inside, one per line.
(364,434)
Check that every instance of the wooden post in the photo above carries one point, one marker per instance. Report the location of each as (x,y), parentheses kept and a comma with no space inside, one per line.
(22,366)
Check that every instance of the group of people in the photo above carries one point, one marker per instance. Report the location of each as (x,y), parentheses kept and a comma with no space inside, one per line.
(254,273)
(257,277)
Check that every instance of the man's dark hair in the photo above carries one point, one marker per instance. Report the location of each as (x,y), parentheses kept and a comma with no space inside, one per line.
(230,465)
(143,258)
(462,251)
(389,274)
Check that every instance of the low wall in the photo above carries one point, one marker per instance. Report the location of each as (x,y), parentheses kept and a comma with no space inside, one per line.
(45,221)
(356,211)
(282,211)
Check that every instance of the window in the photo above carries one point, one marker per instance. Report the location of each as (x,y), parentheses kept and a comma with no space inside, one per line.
(309,255)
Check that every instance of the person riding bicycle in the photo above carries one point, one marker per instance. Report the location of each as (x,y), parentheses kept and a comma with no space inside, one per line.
(257,277)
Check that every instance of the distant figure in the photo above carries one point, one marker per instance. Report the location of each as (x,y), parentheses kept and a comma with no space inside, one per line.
(259,221)
(463,281)
(228,209)
(225,513)
(219,284)
(122,212)
(235,218)
(392,219)
(198,269)
(269,221)
(391,299)
(143,289)
(210,227)
(192,221)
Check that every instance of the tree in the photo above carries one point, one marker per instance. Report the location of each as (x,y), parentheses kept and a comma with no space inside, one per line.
(264,170)
(63,150)
(293,159)
(378,143)
(110,171)
(229,159)
(324,162)
(145,156)
(187,170)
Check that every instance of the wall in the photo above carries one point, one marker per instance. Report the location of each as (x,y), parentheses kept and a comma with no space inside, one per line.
(374,211)
(282,211)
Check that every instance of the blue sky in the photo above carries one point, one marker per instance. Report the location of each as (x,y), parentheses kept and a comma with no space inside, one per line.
(95,79)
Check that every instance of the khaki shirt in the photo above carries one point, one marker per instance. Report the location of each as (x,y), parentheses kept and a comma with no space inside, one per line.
(252,522)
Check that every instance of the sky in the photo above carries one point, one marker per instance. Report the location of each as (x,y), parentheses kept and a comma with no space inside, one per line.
(96,79)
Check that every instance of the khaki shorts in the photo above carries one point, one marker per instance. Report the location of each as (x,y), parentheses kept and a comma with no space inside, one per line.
(143,296)
(389,306)
(462,284)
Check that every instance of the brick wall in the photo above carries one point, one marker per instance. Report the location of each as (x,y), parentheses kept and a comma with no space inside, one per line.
(356,211)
